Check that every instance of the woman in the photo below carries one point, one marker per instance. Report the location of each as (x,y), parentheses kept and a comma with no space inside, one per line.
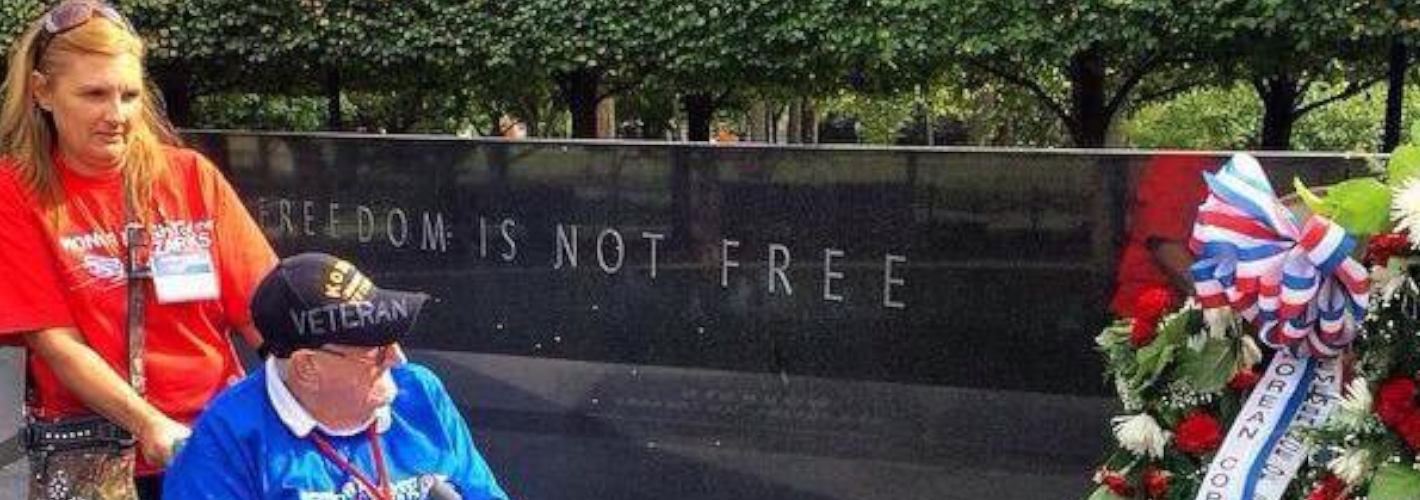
(89,163)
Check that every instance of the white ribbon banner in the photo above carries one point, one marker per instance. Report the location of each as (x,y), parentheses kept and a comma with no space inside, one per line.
(1262,450)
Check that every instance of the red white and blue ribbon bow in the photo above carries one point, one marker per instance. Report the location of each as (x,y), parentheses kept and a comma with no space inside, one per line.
(1298,286)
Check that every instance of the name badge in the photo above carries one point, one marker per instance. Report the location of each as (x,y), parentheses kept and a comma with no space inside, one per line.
(184,276)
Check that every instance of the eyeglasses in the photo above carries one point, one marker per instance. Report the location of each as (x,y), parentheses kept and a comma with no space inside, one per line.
(382,354)
(73,14)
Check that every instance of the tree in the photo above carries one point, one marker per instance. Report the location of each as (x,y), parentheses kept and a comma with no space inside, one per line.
(202,47)
(1285,50)
(590,49)
(705,51)
(15,16)
(1398,22)
(708,52)
(420,47)
(1083,59)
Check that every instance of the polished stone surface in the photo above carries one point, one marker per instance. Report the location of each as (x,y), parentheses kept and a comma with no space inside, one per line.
(644,320)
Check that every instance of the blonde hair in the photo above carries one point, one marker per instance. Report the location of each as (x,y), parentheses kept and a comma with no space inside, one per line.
(27,135)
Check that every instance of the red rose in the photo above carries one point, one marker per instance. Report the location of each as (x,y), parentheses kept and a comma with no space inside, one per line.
(1156,482)
(1329,488)
(1382,246)
(1244,380)
(1141,333)
(1116,483)
(1409,430)
(1198,433)
(1152,304)
(1395,400)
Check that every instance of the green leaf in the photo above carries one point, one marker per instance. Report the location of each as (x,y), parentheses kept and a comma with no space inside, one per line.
(1158,355)
(1395,482)
(1404,164)
(1210,369)
(1362,206)
(1103,493)
(1309,197)
(1152,360)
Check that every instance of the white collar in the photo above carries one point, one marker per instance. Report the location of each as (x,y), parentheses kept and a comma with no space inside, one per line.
(300,421)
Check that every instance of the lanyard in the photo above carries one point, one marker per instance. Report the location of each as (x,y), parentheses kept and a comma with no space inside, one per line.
(380,492)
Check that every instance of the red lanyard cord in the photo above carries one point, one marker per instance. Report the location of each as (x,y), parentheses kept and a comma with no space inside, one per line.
(380,492)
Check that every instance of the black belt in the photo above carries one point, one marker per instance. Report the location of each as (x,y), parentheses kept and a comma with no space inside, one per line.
(73,433)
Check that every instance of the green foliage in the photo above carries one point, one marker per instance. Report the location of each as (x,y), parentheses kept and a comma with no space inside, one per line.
(373,111)
(544,38)
(15,16)
(1203,118)
(1229,118)
(1185,368)
(1208,369)
(277,45)
(1160,354)
(1083,59)
(1395,482)
(1403,165)
(1362,206)
(1103,493)
(259,112)
(1008,69)
(1389,343)
(881,117)
(1352,124)
(994,114)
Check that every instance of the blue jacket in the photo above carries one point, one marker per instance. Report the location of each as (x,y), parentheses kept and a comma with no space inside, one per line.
(242,450)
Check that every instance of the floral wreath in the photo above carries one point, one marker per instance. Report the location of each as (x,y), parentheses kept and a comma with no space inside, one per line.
(1182,372)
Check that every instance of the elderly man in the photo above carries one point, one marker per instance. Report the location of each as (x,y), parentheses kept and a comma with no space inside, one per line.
(336,413)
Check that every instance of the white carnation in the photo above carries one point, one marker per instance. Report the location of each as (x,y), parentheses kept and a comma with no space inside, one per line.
(1353,412)
(1351,465)
(1358,397)
(1218,320)
(1250,355)
(1405,210)
(1141,435)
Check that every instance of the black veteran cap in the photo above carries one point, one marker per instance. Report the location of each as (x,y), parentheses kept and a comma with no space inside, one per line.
(314,299)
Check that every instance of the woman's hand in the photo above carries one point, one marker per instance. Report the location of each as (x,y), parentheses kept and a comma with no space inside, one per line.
(82,371)
(160,439)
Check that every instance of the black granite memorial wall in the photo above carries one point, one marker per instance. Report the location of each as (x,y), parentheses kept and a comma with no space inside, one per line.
(739,321)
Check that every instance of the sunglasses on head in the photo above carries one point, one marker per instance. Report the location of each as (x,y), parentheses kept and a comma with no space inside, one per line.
(72,14)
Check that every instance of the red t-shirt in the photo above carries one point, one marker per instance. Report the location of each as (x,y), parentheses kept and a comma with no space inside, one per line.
(1165,204)
(73,275)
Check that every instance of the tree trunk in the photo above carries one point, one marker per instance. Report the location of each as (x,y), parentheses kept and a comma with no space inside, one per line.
(778,126)
(579,90)
(698,110)
(791,129)
(177,95)
(1279,95)
(530,111)
(1395,95)
(332,98)
(808,119)
(606,118)
(1087,99)
(756,123)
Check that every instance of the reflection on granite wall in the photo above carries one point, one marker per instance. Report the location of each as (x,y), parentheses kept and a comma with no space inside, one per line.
(951,268)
